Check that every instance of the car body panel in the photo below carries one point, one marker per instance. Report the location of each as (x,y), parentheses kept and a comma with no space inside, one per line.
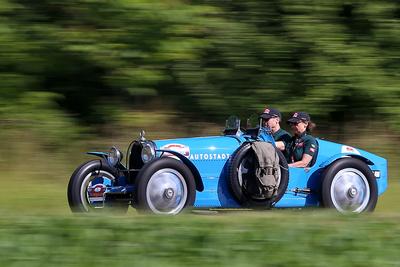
(210,156)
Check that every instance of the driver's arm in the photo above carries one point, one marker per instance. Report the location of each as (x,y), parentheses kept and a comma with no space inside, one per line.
(303,162)
(280,145)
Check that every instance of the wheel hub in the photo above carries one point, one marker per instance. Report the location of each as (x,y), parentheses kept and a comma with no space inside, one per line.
(169,193)
(352,192)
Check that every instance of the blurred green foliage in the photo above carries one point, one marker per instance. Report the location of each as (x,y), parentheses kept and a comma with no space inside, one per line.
(121,65)
(85,58)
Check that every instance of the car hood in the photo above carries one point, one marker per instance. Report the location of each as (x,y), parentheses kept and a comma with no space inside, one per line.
(201,148)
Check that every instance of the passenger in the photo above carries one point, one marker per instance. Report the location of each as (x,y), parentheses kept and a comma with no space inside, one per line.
(303,147)
(271,119)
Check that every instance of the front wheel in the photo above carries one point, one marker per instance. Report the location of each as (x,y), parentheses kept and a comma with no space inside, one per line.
(165,186)
(349,186)
(88,186)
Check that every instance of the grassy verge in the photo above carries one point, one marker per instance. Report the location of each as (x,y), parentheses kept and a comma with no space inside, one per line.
(282,238)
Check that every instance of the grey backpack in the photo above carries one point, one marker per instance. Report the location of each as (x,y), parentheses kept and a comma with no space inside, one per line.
(267,170)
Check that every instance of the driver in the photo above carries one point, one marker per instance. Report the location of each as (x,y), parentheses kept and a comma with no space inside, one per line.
(271,119)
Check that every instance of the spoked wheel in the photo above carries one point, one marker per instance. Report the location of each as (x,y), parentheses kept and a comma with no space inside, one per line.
(88,186)
(242,178)
(166,186)
(349,186)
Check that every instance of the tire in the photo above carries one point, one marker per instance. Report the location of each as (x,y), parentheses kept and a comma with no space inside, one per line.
(349,186)
(165,186)
(245,155)
(93,175)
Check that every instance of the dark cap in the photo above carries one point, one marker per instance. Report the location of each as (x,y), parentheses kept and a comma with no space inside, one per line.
(270,113)
(299,116)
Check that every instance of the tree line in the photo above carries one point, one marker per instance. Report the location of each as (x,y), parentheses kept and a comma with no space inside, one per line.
(338,60)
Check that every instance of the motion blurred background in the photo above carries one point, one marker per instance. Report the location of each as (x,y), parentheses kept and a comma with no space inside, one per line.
(84,75)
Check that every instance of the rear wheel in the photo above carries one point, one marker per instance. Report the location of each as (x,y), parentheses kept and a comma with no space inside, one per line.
(165,186)
(349,186)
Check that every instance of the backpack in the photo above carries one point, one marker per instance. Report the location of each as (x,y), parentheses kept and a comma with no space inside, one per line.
(267,170)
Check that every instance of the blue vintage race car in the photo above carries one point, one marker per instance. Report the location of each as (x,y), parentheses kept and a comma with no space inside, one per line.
(169,176)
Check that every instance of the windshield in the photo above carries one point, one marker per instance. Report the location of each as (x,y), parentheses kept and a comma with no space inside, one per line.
(232,126)
(232,123)
(253,129)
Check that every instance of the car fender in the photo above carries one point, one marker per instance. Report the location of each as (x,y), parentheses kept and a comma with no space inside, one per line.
(190,165)
(344,155)
(104,156)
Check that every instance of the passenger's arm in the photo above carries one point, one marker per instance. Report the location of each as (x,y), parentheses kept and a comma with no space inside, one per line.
(310,147)
(303,162)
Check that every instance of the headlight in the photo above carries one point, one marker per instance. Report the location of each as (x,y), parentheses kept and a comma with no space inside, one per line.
(114,156)
(148,152)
